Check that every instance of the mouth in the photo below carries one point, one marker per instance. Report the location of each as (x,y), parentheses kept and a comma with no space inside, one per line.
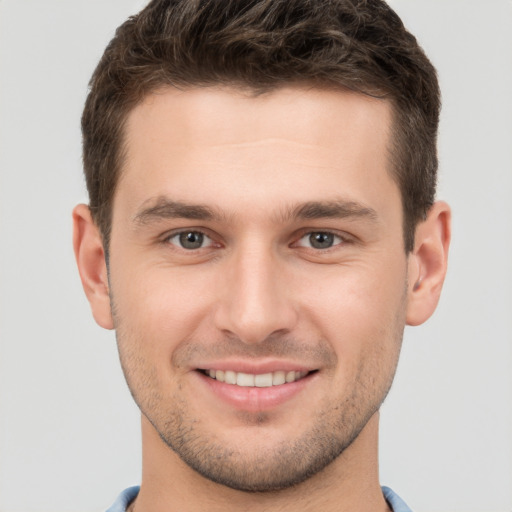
(269,387)
(262,380)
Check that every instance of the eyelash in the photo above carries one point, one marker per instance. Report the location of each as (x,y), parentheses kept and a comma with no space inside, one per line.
(337,239)
(168,239)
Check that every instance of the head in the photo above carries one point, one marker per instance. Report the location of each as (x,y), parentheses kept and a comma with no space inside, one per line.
(259,46)
(262,175)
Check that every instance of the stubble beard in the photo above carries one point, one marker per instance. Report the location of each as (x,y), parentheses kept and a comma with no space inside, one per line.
(274,468)
(269,468)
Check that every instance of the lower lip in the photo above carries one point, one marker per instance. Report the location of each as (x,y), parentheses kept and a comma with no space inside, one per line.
(254,399)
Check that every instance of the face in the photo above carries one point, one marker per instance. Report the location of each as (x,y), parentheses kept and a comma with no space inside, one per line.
(258,276)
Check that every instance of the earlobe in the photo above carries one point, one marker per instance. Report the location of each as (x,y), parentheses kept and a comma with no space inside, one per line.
(428,263)
(90,258)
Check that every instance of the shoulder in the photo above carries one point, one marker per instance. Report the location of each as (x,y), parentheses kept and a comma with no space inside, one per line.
(124,499)
(395,502)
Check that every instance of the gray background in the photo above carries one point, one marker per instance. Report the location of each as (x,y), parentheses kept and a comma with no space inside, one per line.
(69,433)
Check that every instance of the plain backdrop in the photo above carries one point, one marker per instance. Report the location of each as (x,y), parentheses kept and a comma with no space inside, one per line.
(69,433)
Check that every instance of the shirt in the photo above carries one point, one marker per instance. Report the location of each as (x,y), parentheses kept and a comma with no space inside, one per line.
(128,495)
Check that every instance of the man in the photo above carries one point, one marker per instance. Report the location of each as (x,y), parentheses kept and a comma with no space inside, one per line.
(261,227)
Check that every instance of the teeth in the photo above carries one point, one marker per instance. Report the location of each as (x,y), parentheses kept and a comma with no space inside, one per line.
(263,380)
(245,379)
(290,376)
(278,378)
(230,377)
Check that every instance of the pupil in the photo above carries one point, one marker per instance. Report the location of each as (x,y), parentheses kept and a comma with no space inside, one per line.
(321,240)
(191,240)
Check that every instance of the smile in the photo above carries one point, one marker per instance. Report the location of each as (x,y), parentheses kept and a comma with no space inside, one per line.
(263,380)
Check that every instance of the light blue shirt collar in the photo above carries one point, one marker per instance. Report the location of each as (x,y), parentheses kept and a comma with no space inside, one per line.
(128,495)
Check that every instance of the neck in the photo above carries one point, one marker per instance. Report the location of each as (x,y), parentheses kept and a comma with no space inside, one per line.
(350,483)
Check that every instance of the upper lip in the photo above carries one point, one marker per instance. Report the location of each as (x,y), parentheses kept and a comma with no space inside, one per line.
(255,367)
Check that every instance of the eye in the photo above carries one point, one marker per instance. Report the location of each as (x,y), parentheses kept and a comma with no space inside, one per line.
(320,240)
(190,240)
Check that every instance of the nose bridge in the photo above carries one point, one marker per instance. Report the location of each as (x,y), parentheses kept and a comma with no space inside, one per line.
(255,302)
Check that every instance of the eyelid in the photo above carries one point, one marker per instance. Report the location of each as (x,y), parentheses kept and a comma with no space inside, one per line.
(343,238)
(170,235)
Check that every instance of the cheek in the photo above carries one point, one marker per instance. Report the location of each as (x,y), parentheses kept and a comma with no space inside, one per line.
(161,305)
(359,310)
(155,312)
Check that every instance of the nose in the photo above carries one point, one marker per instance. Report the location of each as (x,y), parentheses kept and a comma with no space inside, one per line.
(256,297)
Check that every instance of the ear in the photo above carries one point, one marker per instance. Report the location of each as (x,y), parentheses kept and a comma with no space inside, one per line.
(427,263)
(92,267)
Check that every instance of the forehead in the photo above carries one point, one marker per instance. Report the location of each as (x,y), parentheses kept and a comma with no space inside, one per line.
(291,145)
(224,114)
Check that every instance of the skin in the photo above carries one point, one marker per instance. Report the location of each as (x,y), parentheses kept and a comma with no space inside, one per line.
(262,179)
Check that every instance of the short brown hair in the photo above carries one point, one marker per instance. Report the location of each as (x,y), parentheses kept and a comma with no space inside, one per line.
(261,45)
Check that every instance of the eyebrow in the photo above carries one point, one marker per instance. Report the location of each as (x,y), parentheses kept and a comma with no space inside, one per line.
(165,208)
(332,209)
